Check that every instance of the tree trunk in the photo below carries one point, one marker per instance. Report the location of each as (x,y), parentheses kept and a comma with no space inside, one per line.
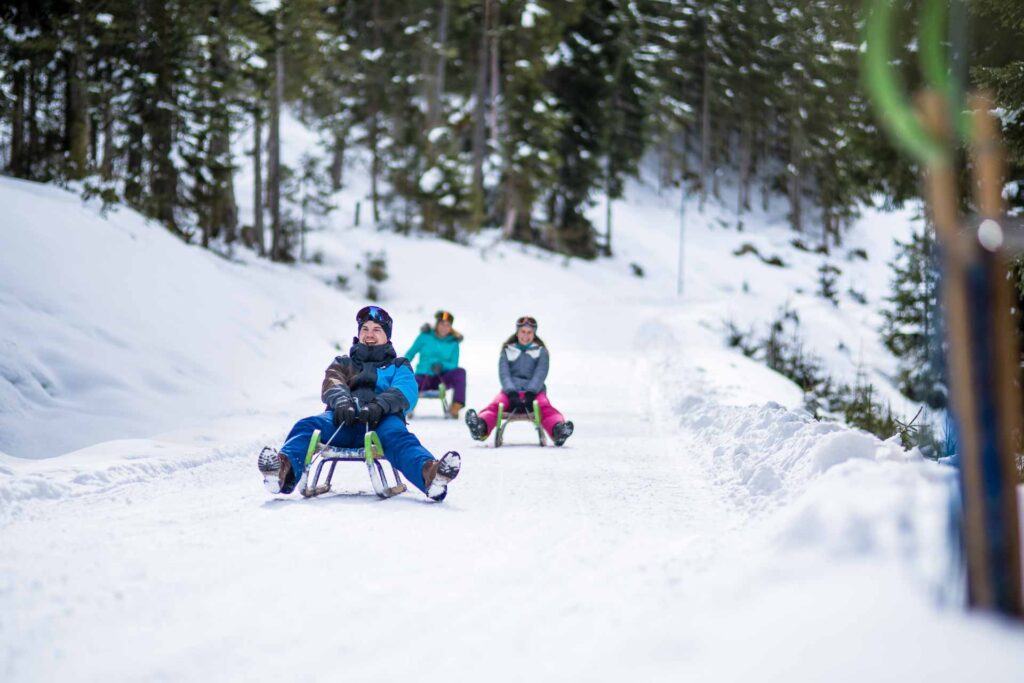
(508,228)
(257,200)
(400,180)
(607,248)
(766,180)
(479,124)
(32,155)
(746,153)
(46,160)
(279,245)
(160,122)
(716,163)
(827,219)
(436,101)
(94,131)
(705,127)
(375,168)
(133,165)
(78,129)
(107,124)
(302,224)
(666,164)
(684,158)
(375,105)
(793,175)
(223,209)
(495,78)
(338,158)
(136,132)
(16,162)
(163,176)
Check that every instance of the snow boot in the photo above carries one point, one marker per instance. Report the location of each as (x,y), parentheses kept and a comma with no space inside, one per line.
(561,431)
(454,410)
(276,470)
(437,474)
(477,427)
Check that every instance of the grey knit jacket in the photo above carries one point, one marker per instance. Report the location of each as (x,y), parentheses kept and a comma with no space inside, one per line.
(523,370)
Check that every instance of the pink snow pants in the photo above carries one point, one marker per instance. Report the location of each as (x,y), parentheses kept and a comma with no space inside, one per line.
(549,417)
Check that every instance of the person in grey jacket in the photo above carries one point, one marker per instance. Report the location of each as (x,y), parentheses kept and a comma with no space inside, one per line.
(522,369)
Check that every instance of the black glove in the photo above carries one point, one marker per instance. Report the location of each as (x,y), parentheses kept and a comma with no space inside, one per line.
(436,368)
(528,398)
(514,402)
(344,412)
(372,413)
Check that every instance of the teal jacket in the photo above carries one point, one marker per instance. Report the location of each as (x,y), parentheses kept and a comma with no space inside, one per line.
(435,351)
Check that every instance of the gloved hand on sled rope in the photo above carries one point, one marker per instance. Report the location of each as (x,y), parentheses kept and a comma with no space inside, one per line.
(344,412)
(372,413)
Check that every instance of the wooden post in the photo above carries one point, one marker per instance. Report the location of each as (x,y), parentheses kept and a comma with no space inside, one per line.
(983,362)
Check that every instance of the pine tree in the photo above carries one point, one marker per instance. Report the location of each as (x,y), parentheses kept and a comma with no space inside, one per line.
(1000,69)
(911,328)
(308,194)
(600,85)
(529,113)
(827,277)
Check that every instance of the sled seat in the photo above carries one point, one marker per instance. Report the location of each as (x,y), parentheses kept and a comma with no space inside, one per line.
(442,393)
(320,455)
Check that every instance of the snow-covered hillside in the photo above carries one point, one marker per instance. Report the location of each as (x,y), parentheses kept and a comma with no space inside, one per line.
(112,328)
(698,526)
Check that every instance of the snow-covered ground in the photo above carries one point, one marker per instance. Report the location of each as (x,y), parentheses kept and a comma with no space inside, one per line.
(698,525)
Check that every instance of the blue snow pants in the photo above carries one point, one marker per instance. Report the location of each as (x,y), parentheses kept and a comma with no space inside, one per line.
(401,449)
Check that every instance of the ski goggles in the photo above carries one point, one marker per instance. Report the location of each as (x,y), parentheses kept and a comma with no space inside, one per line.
(375,313)
(444,316)
(527,321)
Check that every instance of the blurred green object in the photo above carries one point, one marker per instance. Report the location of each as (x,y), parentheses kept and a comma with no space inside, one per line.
(887,91)
(938,70)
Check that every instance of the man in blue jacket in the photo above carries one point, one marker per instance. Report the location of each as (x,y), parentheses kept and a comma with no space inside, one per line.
(370,388)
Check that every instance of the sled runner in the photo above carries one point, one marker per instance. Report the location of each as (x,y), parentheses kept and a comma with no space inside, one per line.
(320,455)
(442,393)
(518,416)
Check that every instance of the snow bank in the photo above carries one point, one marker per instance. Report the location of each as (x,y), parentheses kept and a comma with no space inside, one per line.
(818,490)
(98,469)
(112,328)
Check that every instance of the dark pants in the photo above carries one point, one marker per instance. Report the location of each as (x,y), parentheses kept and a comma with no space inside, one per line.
(401,449)
(453,379)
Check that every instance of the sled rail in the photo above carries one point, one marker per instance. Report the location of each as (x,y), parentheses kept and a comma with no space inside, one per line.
(319,456)
(518,416)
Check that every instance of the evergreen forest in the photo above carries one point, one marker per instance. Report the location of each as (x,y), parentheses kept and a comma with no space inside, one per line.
(518,114)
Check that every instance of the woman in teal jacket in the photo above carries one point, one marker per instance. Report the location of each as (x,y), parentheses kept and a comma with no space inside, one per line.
(438,349)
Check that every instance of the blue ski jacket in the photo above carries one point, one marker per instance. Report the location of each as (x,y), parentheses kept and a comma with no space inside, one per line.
(371,374)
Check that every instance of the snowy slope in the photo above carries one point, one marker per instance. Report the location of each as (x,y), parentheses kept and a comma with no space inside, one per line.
(112,328)
(698,525)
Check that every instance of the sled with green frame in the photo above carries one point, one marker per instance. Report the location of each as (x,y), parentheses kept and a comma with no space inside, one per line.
(320,456)
(442,393)
(518,416)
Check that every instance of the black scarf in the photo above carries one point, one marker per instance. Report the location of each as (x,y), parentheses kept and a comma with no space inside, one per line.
(366,360)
